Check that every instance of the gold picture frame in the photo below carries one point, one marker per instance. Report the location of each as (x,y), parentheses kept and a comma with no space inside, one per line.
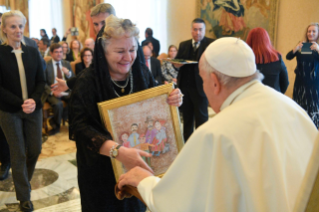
(236,18)
(145,121)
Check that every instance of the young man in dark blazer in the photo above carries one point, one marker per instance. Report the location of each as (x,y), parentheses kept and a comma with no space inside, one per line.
(195,102)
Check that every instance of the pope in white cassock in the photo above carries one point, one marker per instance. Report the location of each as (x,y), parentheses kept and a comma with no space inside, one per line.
(250,157)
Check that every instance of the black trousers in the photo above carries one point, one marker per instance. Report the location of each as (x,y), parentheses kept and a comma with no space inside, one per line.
(23,133)
(194,110)
(4,149)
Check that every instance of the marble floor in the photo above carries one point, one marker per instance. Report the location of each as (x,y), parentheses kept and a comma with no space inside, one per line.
(54,183)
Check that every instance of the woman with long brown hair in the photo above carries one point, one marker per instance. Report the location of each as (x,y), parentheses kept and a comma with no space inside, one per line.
(74,53)
(268,60)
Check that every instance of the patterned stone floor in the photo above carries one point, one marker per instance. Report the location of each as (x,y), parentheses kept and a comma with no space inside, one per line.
(54,183)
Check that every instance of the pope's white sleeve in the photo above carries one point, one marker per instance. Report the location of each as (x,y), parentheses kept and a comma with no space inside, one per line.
(145,188)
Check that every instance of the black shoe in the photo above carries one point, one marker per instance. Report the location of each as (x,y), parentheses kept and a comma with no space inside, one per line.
(26,206)
(54,131)
(4,171)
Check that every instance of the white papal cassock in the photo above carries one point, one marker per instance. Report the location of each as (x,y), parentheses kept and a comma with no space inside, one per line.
(250,157)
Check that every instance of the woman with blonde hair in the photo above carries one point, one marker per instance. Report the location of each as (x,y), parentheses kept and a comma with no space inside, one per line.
(117,71)
(306,87)
(168,70)
(66,50)
(21,87)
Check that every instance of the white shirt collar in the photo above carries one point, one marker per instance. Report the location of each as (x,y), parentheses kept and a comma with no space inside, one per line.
(54,62)
(232,97)
(193,41)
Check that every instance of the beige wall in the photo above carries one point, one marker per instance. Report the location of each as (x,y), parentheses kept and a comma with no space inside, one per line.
(293,17)
(180,14)
(67,17)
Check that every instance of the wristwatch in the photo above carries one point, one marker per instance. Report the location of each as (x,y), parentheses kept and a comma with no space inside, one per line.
(115,151)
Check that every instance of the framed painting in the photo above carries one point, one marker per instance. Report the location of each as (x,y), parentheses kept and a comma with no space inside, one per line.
(236,18)
(145,121)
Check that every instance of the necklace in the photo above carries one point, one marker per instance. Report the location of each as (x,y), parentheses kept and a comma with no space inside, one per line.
(122,86)
(122,90)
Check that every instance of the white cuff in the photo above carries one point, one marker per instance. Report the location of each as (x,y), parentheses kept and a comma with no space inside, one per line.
(145,188)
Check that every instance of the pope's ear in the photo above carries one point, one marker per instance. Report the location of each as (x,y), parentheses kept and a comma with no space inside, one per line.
(215,83)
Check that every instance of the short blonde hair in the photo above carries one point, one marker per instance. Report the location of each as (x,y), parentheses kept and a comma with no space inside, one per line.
(117,28)
(312,24)
(3,36)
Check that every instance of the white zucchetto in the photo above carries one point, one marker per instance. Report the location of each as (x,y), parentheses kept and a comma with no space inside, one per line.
(232,57)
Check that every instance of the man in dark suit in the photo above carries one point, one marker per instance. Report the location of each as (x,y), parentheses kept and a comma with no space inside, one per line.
(153,64)
(195,102)
(56,68)
(156,43)
(55,38)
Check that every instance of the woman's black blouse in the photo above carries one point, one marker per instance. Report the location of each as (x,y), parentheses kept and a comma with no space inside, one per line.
(276,75)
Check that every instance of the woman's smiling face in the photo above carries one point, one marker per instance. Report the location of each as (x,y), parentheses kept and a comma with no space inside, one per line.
(120,55)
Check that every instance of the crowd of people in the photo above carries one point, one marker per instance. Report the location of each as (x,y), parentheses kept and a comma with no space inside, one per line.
(243,82)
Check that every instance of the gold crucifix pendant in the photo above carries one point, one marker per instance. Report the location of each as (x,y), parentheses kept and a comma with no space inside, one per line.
(122,90)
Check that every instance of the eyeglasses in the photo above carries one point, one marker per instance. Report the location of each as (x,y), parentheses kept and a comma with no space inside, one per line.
(87,55)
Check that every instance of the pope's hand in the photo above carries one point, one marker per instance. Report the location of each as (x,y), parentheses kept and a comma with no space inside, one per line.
(131,157)
(133,177)
(175,98)
(60,86)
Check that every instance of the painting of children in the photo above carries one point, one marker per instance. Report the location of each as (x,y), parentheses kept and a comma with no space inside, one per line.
(150,129)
